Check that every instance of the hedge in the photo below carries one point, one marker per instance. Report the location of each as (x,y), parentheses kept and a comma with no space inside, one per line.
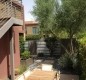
(33,37)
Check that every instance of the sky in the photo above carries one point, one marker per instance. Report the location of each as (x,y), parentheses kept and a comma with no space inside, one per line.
(28,7)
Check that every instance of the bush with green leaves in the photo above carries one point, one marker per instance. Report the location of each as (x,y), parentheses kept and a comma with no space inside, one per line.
(82,54)
(21,42)
(65,61)
(20,69)
(25,55)
(83,61)
(70,62)
(33,37)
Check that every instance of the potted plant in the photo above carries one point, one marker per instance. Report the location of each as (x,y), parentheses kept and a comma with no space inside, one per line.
(25,55)
(25,58)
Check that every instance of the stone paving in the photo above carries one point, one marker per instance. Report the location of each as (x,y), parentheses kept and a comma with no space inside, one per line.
(68,77)
(61,76)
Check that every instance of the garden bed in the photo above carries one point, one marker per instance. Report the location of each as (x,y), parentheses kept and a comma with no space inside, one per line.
(23,76)
(27,62)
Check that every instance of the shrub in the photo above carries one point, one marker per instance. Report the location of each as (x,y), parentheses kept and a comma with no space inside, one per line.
(70,62)
(33,37)
(25,55)
(83,61)
(21,42)
(23,68)
(20,69)
(82,54)
(65,61)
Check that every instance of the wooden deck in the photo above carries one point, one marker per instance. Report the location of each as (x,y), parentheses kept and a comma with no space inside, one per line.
(42,75)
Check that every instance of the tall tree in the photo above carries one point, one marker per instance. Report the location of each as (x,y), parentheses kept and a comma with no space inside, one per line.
(43,11)
(61,15)
(70,16)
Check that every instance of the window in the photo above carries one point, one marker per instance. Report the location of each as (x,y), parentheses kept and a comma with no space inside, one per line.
(35,30)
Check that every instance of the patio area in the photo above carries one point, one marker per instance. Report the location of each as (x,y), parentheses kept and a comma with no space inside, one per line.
(42,75)
(43,70)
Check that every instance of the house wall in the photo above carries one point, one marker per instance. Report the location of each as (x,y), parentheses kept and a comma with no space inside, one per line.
(4,56)
(17,12)
(17,30)
(5,52)
(29,29)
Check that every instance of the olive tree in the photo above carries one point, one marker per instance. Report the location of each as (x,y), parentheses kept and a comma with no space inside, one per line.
(70,16)
(43,10)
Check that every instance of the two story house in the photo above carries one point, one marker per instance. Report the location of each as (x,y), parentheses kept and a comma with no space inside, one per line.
(31,28)
(11,26)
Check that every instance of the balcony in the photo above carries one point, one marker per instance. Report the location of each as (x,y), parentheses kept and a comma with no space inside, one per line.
(10,8)
(11,12)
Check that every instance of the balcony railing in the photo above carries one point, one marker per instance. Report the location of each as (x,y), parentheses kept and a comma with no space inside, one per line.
(8,10)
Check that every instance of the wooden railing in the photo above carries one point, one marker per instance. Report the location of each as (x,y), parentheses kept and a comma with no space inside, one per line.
(8,10)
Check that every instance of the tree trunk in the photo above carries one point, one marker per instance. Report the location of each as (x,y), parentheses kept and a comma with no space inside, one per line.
(71,42)
(71,46)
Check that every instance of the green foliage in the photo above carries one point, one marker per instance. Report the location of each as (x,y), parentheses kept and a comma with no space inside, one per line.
(70,15)
(20,69)
(70,62)
(65,61)
(21,41)
(33,37)
(43,11)
(65,16)
(82,37)
(25,55)
(82,52)
(83,61)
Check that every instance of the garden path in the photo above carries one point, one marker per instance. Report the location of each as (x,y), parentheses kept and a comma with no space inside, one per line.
(62,76)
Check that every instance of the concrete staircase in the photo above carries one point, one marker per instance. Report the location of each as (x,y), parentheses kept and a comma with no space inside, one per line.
(3,21)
